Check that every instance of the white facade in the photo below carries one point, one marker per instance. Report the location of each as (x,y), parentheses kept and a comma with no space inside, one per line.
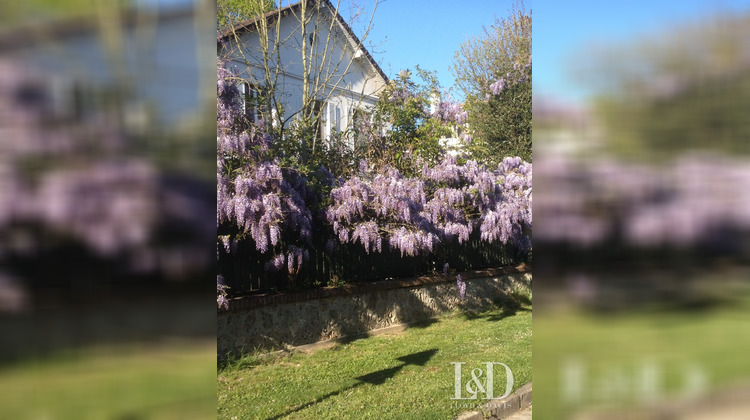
(343,76)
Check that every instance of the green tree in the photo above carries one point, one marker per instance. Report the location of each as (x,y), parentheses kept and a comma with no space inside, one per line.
(229,12)
(482,60)
(499,119)
(501,122)
(403,114)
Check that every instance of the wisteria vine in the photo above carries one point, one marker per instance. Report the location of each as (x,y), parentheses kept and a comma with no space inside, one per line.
(519,74)
(448,201)
(256,196)
(268,205)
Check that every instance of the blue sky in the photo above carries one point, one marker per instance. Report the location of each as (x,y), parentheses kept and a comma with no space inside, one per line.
(424,32)
(564,29)
(429,32)
(411,32)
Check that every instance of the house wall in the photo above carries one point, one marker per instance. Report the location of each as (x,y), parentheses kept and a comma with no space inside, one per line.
(349,86)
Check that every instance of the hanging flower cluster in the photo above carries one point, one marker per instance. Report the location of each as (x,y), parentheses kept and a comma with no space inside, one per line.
(519,74)
(262,200)
(446,202)
(450,112)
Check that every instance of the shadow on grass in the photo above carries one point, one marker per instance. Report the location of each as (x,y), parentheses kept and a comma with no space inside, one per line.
(509,306)
(246,361)
(257,356)
(315,401)
(423,324)
(374,378)
(348,339)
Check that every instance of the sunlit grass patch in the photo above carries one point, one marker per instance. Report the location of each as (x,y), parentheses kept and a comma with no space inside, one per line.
(404,375)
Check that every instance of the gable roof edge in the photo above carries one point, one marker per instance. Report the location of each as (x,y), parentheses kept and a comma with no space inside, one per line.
(245,26)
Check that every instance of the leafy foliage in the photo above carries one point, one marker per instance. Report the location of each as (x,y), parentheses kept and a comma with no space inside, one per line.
(502,121)
(401,131)
(481,61)
(413,134)
(229,12)
(493,72)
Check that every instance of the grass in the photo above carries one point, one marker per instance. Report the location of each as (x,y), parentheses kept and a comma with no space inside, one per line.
(705,347)
(166,381)
(403,375)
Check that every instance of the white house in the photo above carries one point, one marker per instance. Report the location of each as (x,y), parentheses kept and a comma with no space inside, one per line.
(307,40)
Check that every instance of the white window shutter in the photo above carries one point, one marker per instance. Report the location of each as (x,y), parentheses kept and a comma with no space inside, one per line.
(244,92)
(329,120)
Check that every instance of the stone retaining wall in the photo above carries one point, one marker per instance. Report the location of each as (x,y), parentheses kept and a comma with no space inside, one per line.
(272,322)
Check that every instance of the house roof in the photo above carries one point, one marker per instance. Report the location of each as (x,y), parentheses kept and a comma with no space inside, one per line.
(247,26)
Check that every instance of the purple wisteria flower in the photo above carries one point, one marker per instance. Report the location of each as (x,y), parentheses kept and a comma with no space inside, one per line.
(450,112)
(266,203)
(518,75)
(446,202)
(221,293)
(461,287)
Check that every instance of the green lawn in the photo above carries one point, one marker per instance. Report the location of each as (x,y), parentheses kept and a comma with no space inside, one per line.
(635,358)
(395,376)
(168,381)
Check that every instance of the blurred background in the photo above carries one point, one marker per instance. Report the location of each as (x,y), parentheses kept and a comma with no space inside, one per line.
(107,246)
(642,210)
(107,208)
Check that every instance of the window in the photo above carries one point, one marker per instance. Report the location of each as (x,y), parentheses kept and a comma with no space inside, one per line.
(331,122)
(330,119)
(250,99)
